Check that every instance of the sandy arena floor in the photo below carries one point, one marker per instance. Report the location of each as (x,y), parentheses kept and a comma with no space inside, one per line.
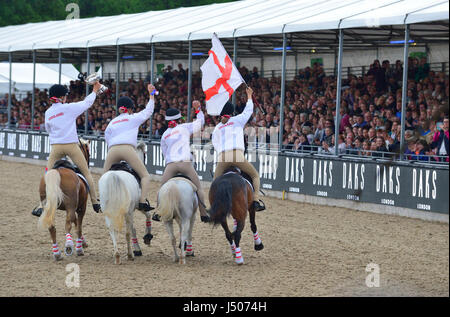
(309,251)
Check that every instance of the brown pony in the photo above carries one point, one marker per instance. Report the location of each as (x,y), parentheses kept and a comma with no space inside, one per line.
(62,189)
(231,194)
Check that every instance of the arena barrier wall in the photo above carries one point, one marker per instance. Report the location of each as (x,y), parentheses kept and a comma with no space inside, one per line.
(417,186)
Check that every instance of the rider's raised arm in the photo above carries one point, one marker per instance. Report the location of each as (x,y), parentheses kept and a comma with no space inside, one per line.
(242,118)
(197,125)
(81,106)
(145,114)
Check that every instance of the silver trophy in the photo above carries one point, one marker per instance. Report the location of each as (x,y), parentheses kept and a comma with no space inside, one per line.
(94,78)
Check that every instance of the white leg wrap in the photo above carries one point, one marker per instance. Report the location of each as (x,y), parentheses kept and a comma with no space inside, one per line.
(256,238)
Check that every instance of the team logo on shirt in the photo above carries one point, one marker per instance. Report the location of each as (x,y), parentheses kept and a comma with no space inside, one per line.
(120,121)
(226,125)
(56,115)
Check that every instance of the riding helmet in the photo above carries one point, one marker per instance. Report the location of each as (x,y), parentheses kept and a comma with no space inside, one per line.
(58,91)
(126,102)
(172,114)
(228,109)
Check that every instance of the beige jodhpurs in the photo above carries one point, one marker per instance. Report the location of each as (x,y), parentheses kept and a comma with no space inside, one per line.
(126,152)
(236,158)
(73,151)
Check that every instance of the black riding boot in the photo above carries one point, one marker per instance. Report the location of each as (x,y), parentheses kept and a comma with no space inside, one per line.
(258,206)
(145,206)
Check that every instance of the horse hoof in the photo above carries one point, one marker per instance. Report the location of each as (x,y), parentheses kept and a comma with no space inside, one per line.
(117,259)
(80,252)
(239,261)
(182,261)
(259,247)
(85,245)
(137,253)
(57,256)
(190,254)
(130,257)
(148,238)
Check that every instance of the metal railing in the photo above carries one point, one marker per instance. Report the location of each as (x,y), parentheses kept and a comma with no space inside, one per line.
(290,73)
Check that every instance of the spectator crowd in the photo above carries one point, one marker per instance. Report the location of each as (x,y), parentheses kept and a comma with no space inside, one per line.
(370,110)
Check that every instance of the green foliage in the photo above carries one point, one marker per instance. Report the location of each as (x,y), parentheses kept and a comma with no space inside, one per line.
(13,12)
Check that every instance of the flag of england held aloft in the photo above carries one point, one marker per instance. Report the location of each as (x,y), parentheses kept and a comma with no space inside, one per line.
(219,78)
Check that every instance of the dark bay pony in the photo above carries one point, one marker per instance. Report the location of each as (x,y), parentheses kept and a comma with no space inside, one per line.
(63,189)
(231,194)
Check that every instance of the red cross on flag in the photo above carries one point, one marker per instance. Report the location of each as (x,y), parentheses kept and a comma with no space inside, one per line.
(220,77)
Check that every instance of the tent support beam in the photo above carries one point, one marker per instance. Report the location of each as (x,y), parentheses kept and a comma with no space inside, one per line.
(283,93)
(404,88)
(117,77)
(189,96)
(338,91)
(235,48)
(33,91)
(59,65)
(88,59)
(10,89)
(152,67)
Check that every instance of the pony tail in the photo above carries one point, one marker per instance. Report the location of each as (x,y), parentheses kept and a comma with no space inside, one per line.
(54,197)
(222,205)
(114,199)
(168,207)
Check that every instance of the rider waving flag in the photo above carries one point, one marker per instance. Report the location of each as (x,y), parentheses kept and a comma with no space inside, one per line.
(175,145)
(228,141)
(60,123)
(121,138)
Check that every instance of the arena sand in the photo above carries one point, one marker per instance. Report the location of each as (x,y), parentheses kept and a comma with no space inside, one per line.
(309,251)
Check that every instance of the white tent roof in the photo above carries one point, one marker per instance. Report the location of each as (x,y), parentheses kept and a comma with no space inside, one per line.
(22,75)
(234,19)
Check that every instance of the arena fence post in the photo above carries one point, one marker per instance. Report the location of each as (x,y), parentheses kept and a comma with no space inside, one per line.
(404,92)
(283,92)
(189,96)
(338,91)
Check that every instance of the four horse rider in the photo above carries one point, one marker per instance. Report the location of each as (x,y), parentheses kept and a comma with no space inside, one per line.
(121,138)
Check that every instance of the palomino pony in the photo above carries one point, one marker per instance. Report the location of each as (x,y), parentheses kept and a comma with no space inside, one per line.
(177,199)
(231,194)
(62,188)
(119,197)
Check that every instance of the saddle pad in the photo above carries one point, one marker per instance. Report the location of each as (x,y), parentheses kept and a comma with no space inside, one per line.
(66,164)
(84,180)
(245,178)
(124,166)
(187,180)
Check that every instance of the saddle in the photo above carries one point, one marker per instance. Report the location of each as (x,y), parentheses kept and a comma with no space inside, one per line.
(245,176)
(69,165)
(124,166)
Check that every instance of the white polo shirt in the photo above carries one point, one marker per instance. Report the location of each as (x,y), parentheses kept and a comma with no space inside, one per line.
(60,120)
(230,136)
(124,128)
(175,142)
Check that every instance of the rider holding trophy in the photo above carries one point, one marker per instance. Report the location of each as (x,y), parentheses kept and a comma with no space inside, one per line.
(60,124)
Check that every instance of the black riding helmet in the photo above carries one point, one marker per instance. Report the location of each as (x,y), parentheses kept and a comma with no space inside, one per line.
(126,102)
(172,114)
(58,91)
(228,109)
